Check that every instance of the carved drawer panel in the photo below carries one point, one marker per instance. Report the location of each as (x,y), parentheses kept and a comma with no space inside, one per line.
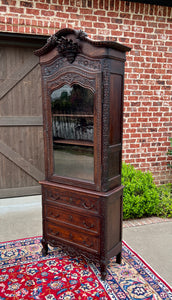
(85,202)
(86,222)
(73,236)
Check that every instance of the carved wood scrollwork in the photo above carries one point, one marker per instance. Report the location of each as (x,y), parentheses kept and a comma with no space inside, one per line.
(68,49)
(80,61)
(72,78)
(106,97)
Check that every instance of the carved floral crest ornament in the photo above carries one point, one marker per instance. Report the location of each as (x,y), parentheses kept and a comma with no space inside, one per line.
(68,49)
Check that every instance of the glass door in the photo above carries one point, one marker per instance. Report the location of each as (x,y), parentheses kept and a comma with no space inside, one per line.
(72,110)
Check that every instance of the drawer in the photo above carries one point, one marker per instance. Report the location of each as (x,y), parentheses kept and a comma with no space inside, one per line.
(78,200)
(90,223)
(73,236)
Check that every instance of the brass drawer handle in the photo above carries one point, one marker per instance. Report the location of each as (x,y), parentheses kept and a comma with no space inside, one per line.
(86,206)
(88,245)
(70,218)
(88,226)
(71,236)
(51,231)
(55,216)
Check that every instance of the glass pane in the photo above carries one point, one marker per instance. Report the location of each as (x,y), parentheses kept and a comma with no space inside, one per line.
(72,128)
(73,131)
(74,161)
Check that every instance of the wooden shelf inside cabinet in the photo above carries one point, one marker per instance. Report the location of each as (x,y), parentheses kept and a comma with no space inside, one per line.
(73,115)
(74,142)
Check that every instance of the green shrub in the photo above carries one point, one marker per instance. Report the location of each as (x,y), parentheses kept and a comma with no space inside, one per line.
(140,195)
(165,194)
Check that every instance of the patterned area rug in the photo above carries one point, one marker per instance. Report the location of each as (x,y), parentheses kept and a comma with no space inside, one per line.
(26,274)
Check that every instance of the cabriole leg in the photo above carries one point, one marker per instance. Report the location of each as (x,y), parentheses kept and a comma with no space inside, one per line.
(119,258)
(103,270)
(45,247)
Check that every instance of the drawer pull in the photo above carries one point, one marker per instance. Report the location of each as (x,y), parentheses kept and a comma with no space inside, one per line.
(51,231)
(71,236)
(55,216)
(57,233)
(88,226)
(70,218)
(86,206)
(54,197)
(88,245)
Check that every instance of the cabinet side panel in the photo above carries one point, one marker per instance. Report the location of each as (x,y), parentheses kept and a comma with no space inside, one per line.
(113,222)
(115,109)
(115,133)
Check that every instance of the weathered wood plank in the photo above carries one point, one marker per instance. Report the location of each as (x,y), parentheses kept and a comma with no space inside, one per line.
(21,121)
(18,74)
(21,191)
(17,159)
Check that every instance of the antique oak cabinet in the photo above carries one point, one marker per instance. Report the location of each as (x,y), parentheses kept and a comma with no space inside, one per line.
(82,88)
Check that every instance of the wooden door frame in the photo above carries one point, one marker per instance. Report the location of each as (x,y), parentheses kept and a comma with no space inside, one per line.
(19,39)
(26,41)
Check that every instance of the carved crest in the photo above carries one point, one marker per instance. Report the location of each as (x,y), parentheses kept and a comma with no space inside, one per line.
(68,49)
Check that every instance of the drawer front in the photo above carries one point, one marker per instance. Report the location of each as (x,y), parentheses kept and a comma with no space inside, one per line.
(85,222)
(73,236)
(80,200)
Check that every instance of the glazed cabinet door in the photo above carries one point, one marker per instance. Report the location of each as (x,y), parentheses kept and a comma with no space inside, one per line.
(73,138)
(72,111)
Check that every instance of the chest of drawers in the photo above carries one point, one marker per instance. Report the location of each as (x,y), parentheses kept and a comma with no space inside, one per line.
(84,223)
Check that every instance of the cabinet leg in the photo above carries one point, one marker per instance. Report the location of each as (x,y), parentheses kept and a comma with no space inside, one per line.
(103,270)
(119,258)
(45,247)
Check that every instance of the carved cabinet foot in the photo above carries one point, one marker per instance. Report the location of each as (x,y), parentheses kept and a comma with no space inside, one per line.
(103,270)
(119,258)
(45,247)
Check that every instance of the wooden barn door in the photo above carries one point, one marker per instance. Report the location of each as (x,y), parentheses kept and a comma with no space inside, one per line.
(21,132)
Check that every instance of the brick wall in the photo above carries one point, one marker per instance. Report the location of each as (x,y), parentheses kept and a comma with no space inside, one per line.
(147,29)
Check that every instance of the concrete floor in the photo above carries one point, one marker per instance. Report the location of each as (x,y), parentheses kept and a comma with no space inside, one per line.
(21,218)
(154,244)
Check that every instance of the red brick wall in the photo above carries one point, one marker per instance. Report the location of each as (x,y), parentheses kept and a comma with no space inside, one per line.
(147,29)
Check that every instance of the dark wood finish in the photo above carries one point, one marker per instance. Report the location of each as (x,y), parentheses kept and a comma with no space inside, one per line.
(74,142)
(84,216)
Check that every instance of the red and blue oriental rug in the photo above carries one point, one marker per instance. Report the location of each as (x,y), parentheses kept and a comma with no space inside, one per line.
(26,274)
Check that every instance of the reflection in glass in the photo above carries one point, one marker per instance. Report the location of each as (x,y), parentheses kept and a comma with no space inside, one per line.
(73,131)
(74,161)
(72,128)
